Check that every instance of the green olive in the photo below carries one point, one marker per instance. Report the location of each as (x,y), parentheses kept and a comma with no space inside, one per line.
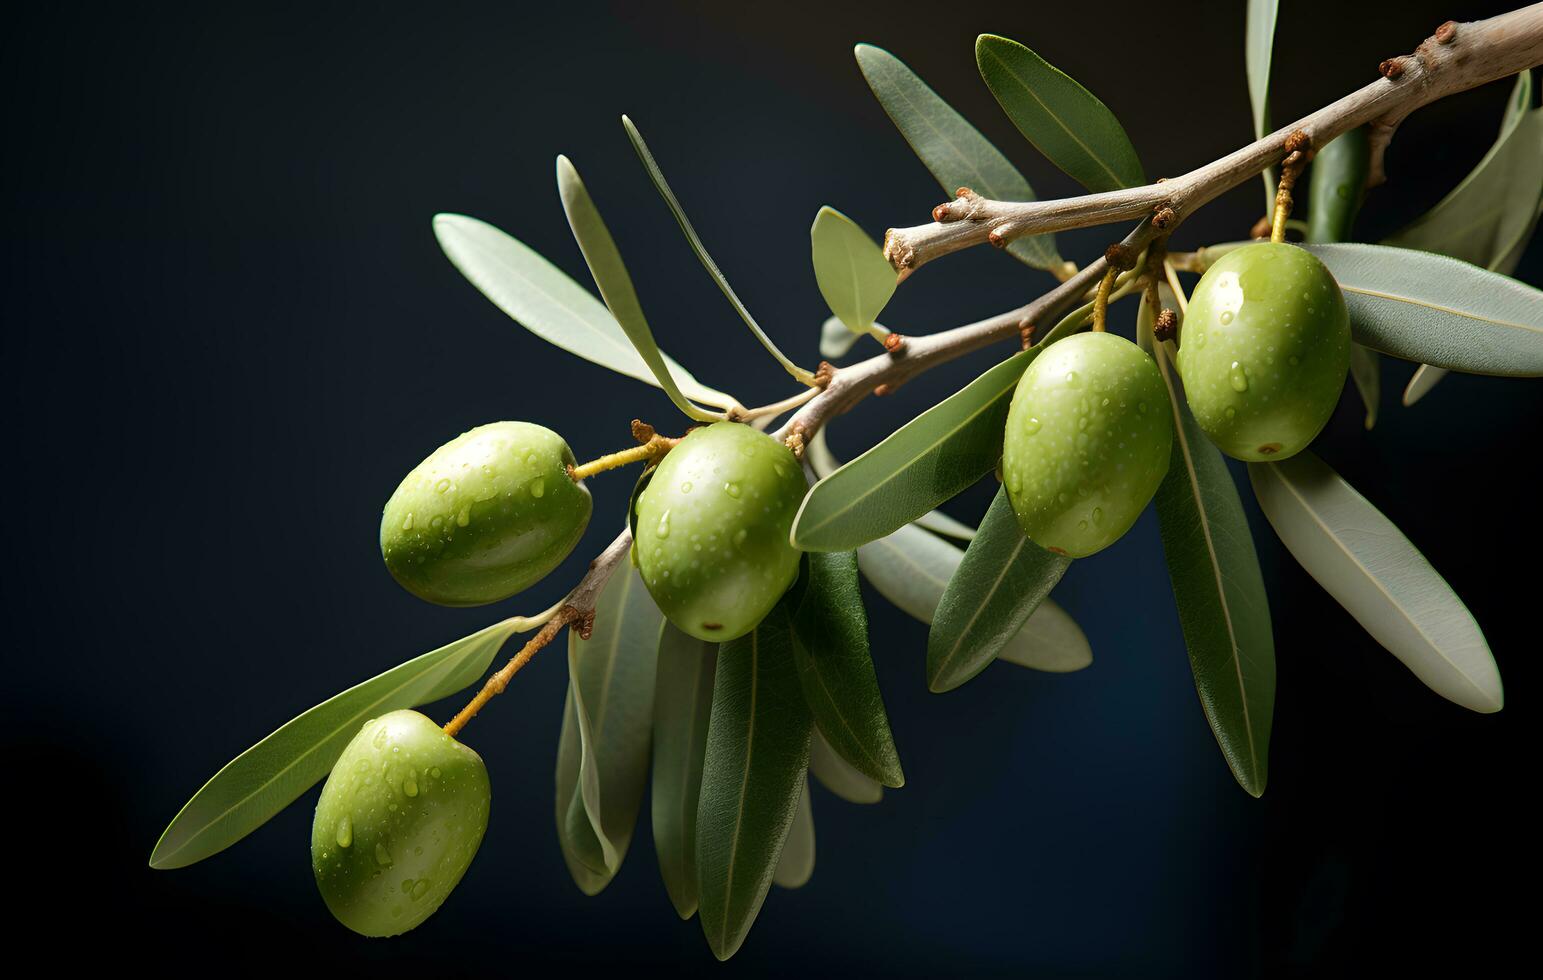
(489,513)
(1264,350)
(712,530)
(1087,442)
(398,823)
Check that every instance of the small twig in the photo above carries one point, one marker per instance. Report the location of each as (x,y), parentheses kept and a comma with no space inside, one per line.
(1298,153)
(495,685)
(1471,55)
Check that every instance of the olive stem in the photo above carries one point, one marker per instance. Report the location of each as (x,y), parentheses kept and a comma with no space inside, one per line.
(495,685)
(1297,156)
(1101,301)
(652,449)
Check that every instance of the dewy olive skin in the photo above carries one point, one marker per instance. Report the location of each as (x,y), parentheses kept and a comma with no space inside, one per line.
(486,515)
(1087,442)
(1264,350)
(712,530)
(398,823)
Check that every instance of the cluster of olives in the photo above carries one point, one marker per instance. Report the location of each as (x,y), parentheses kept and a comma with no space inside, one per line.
(483,517)
(1263,355)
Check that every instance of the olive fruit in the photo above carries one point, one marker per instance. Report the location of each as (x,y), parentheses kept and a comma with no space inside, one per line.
(489,513)
(712,529)
(1087,442)
(398,823)
(1264,350)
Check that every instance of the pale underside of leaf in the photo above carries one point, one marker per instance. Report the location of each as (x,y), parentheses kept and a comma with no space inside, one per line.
(1259,44)
(543,299)
(1437,310)
(1368,565)
(796,864)
(682,702)
(837,775)
(850,269)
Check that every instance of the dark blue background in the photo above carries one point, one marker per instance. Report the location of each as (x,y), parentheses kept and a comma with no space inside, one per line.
(229,332)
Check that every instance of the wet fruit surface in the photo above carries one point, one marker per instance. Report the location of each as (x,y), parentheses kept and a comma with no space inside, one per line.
(398,823)
(1087,442)
(1264,350)
(712,530)
(486,515)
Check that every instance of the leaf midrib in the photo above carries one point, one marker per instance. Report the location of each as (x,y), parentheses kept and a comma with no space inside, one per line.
(1427,304)
(1057,119)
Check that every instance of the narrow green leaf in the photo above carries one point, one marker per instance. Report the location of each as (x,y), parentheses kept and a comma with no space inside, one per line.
(1490,216)
(836,670)
(683,698)
(923,463)
(1064,121)
(272,774)
(610,274)
(1258,46)
(1437,310)
(796,865)
(853,275)
(663,187)
(953,150)
(754,773)
(541,298)
(1365,562)
(1001,580)
(603,752)
(1336,188)
(1223,609)
(838,776)
(912,568)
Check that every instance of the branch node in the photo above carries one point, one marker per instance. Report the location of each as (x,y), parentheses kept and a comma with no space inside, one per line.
(894,343)
(882,390)
(795,440)
(824,374)
(1025,335)
(1163,216)
(1166,325)
(1392,68)
(1446,32)
(642,431)
(1120,256)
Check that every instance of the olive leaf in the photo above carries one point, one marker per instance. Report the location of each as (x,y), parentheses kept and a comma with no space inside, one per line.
(853,275)
(1223,610)
(610,275)
(940,523)
(835,338)
(272,774)
(1438,310)
(923,463)
(692,238)
(1335,192)
(1489,217)
(838,776)
(683,697)
(912,568)
(824,463)
(1258,47)
(1365,562)
(544,300)
(953,150)
(796,865)
(1000,581)
(1064,121)
(836,669)
(753,775)
(603,752)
